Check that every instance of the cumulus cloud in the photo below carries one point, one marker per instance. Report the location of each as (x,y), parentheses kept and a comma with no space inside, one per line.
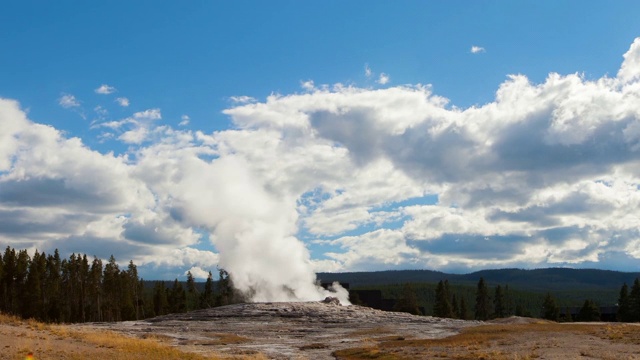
(105,89)
(184,120)
(135,129)
(122,101)
(308,85)
(477,49)
(383,79)
(68,101)
(545,174)
(198,273)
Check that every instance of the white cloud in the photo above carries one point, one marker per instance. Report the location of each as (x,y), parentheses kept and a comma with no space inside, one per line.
(105,89)
(242,99)
(122,101)
(308,85)
(150,114)
(383,79)
(367,71)
(630,69)
(198,273)
(546,174)
(477,49)
(68,101)
(184,120)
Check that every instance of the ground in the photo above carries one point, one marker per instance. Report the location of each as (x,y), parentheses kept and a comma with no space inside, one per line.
(318,331)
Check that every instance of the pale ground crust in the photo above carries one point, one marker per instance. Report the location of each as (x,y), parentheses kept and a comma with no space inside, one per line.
(316,330)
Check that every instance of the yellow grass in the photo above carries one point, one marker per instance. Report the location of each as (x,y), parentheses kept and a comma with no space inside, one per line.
(104,344)
(484,342)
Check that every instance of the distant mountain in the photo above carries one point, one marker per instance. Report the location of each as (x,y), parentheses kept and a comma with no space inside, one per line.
(539,280)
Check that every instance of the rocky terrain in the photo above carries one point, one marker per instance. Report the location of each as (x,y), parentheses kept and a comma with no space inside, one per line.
(285,330)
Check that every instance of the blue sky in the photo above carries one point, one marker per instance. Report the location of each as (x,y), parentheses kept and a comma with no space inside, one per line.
(367,131)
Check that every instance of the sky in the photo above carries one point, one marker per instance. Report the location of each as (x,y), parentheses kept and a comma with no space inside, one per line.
(322,136)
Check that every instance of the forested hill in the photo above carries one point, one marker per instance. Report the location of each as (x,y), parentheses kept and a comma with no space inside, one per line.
(540,280)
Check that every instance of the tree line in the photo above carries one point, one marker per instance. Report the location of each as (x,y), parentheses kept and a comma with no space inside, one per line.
(448,305)
(629,303)
(49,288)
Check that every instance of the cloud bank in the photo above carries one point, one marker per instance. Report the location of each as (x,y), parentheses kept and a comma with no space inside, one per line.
(546,174)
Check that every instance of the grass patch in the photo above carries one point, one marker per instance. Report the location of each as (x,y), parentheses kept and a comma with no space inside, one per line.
(485,342)
(51,341)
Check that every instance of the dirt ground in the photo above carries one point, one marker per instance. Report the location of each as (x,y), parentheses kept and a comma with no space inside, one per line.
(320,331)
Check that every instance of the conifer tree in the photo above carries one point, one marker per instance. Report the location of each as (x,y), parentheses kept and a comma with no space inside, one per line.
(54,287)
(455,310)
(442,305)
(550,309)
(207,298)
(21,292)
(177,298)
(634,300)
(95,290)
(408,302)
(10,264)
(192,292)
(463,312)
(498,303)
(33,300)
(225,289)
(589,311)
(160,301)
(483,309)
(624,304)
(111,290)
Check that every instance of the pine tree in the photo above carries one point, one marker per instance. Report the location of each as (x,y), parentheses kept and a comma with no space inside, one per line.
(160,301)
(589,311)
(206,298)
(508,302)
(95,290)
(132,295)
(483,311)
(634,300)
(111,286)
(550,309)
(498,303)
(177,298)
(33,301)
(454,306)
(54,287)
(463,312)
(624,305)
(225,289)
(408,302)
(192,292)
(9,277)
(442,305)
(21,291)
(83,282)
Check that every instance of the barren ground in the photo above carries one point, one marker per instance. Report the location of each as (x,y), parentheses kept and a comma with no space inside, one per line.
(324,331)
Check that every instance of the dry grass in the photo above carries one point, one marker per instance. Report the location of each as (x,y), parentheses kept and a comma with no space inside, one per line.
(49,341)
(495,341)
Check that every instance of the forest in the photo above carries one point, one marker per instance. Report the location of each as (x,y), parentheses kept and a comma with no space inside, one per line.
(49,288)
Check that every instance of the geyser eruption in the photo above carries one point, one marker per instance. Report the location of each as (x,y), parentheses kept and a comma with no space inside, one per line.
(252,228)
